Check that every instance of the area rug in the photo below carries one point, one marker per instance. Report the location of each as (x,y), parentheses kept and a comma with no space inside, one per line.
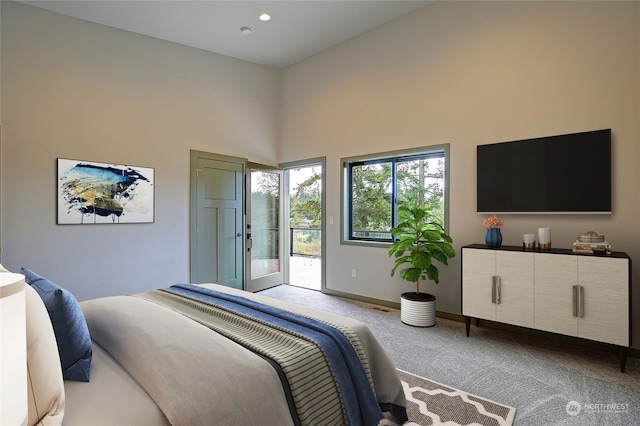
(432,403)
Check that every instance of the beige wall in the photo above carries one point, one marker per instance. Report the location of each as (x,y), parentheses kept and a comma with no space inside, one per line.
(454,72)
(0,132)
(78,90)
(470,73)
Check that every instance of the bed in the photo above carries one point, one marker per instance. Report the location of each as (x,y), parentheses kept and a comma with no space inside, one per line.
(162,357)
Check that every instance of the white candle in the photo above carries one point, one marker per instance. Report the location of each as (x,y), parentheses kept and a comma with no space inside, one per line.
(544,238)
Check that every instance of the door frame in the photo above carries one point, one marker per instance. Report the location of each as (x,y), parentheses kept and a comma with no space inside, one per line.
(322,162)
(284,209)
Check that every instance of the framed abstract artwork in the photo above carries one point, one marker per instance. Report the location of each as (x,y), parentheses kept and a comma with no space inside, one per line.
(94,193)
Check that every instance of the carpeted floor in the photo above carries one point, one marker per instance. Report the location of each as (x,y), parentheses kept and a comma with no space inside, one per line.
(548,382)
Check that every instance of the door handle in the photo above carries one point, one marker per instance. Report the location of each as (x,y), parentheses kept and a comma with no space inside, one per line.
(239,235)
(249,243)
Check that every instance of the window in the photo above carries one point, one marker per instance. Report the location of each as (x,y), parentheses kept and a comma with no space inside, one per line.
(375,185)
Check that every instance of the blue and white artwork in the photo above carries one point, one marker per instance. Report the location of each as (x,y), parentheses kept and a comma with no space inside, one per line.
(92,193)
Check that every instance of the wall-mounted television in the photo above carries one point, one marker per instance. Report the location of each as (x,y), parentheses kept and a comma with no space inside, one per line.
(554,174)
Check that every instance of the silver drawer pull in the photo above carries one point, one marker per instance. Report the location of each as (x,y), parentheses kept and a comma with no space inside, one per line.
(578,301)
(495,290)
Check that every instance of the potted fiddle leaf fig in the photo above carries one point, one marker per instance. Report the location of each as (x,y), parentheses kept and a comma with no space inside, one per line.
(420,241)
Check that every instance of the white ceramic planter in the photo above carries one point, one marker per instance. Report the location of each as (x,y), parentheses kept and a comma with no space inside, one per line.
(418,309)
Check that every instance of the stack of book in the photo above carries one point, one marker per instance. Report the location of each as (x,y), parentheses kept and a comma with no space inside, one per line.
(592,247)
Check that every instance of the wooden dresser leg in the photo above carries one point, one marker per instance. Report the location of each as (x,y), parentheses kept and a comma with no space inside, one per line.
(467,324)
(622,356)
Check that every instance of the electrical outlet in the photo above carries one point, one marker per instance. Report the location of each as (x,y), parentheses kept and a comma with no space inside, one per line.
(354,273)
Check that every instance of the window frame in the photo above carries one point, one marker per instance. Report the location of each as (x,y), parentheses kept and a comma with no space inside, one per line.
(394,157)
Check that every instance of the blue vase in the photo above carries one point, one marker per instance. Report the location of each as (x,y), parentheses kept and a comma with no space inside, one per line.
(493,237)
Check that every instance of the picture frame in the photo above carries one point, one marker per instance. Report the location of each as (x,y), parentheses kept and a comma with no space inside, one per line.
(91,192)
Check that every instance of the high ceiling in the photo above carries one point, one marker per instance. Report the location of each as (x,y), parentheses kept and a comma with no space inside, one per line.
(297,29)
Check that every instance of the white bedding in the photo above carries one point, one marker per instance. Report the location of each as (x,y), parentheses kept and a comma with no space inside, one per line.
(152,366)
(112,397)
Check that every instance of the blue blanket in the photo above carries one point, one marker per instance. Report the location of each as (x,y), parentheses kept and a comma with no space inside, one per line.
(359,400)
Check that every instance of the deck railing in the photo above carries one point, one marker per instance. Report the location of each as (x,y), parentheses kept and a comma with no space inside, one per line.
(305,242)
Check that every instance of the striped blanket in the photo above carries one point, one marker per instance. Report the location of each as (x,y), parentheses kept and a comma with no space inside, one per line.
(323,367)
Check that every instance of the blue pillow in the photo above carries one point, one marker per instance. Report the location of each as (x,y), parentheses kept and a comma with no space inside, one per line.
(69,326)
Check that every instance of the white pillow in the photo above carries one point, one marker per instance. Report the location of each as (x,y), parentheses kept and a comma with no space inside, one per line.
(45,387)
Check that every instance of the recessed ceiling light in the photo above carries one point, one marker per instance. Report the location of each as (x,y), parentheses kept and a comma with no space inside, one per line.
(264,16)
(245,30)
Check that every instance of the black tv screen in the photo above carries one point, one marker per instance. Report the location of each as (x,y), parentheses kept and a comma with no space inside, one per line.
(555,174)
